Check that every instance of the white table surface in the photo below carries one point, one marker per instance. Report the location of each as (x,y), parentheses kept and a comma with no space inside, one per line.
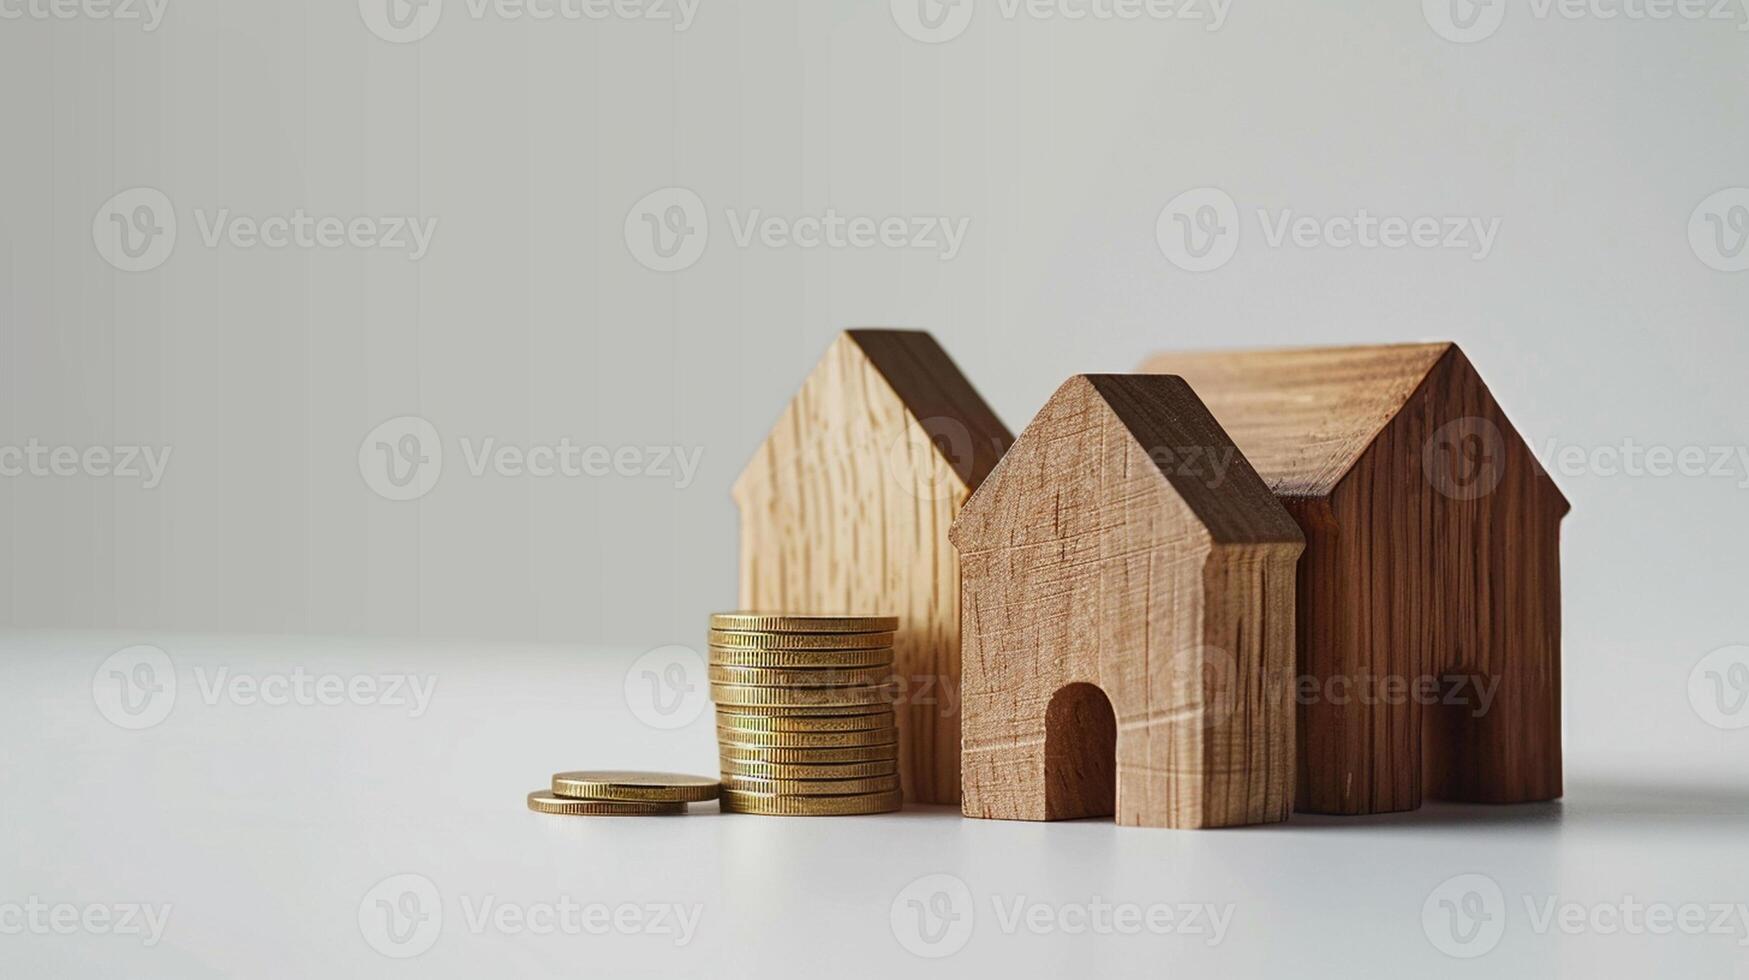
(269,830)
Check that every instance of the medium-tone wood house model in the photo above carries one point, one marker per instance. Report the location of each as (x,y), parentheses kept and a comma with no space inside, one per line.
(1429,594)
(1128,594)
(845,508)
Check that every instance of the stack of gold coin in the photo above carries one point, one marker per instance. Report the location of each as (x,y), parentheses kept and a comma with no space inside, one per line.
(619,793)
(805,723)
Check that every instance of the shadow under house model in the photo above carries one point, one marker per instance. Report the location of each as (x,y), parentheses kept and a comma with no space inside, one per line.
(1431,577)
(845,509)
(1128,592)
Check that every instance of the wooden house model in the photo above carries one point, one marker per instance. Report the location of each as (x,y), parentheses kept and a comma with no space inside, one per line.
(1429,596)
(845,509)
(1128,618)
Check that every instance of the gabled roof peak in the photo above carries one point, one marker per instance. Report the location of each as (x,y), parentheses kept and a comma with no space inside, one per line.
(1305,416)
(903,366)
(1174,431)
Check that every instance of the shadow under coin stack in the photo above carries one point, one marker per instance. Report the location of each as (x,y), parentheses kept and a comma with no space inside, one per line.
(805,723)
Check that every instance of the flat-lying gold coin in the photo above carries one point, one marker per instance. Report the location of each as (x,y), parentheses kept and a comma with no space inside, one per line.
(858,721)
(803,659)
(543,801)
(766,698)
(812,677)
(797,770)
(643,787)
(735,751)
(810,787)
(742,738)
(774,622)
(809,806)
(736,640)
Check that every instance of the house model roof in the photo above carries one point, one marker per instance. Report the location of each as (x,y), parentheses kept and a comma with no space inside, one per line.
(931,385)
(920,376)
(1173,430)
(1306,416)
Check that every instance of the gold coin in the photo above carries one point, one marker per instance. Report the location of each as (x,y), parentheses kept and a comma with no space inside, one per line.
(818,677)
(740,752)
(801,641)
(809,806)
(809,787)
(543,801)
(770,622)
(800,659)
(733,768)
(804,697)
(757,721)
(742,738)
(643,787)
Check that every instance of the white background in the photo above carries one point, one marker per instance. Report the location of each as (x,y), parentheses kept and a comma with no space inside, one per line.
(1592,140)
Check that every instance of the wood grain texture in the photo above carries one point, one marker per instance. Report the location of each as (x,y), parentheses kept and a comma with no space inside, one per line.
(1123,549)
(1432,564)
(1304,417)
(845,508)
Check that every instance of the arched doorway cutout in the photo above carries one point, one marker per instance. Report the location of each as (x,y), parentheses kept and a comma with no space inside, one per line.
(1080,754)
